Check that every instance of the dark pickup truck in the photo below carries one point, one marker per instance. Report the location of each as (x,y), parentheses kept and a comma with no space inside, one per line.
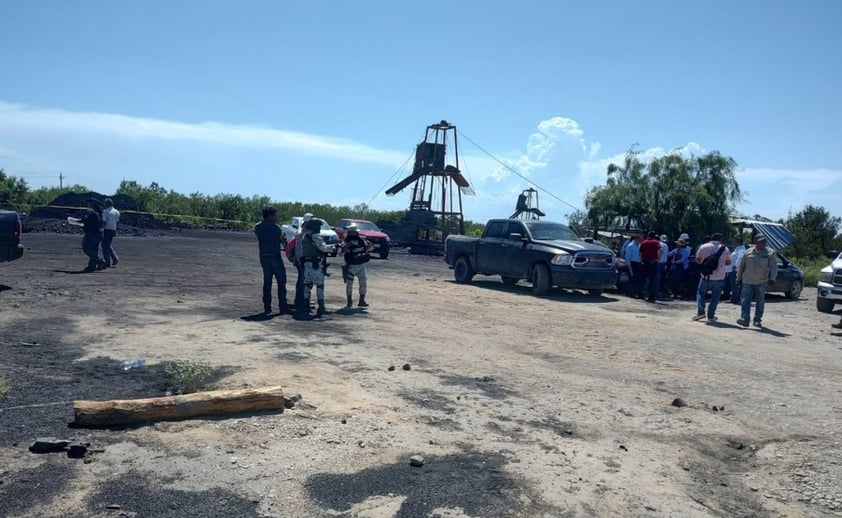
(545,254)
(10,231)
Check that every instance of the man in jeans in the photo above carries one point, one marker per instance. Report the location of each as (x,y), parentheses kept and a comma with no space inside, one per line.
(270,239)
(714,282)
(758,271)
(633,260)
(110,218)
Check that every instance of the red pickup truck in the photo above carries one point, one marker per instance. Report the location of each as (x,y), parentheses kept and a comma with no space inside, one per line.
(379,239)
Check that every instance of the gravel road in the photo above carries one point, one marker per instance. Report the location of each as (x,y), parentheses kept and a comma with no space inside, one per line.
(559,406)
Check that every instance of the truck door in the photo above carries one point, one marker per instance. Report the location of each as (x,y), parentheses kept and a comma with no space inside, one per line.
(513,260)
(489,248)
(785,275)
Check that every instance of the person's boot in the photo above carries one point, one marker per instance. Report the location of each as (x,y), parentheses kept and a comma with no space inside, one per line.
(837,326)
(322,310)
(303,309)
(363,303)
(350,303)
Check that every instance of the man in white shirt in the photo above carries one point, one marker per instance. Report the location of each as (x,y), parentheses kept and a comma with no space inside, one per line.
(736,258)
(110,218)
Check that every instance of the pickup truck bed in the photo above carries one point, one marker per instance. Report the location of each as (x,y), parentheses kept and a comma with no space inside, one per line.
(10,234)
(545,254)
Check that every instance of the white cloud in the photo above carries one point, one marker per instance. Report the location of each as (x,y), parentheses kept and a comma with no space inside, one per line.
(15,117)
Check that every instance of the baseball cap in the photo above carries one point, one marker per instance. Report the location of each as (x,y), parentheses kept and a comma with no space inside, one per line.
(685,237)
(308,217)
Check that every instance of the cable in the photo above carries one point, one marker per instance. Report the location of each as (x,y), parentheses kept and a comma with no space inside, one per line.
(392,177)
(510,168)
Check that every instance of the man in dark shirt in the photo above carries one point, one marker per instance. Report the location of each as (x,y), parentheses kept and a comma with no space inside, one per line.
(650,256)
(270,239)
(92,227)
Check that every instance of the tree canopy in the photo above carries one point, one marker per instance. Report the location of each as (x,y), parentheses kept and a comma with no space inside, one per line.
(816,232)
(671,194)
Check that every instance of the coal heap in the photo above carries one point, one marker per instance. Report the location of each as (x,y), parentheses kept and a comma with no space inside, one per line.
(49,218)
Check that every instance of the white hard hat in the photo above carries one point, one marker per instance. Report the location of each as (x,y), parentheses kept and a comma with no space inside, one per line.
(684,237)
(308,217)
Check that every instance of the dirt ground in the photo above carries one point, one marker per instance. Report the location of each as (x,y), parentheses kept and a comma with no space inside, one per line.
(520,406)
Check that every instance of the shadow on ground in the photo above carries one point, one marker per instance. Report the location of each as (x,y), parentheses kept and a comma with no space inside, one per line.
(138,496)
(560,295)
(472,482)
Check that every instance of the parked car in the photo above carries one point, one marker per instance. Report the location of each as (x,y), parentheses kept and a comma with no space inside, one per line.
(379,239)
(829,288)
(327,234)
(544,253)
(790,280)
(10,235)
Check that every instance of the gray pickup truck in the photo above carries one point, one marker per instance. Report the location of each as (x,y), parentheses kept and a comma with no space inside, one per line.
(545,254)
(10,232)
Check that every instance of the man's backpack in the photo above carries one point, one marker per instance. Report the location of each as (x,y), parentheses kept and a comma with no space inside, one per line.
(711,263)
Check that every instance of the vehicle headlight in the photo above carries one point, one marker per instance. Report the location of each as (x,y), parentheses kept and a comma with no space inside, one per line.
(562,259)
(388,239)
(825,277)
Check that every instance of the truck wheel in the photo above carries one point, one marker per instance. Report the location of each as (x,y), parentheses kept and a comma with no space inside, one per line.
(509,281)
(462,271)
(596,293)
(384,256)
(794,290)
(540,280)
(825,305)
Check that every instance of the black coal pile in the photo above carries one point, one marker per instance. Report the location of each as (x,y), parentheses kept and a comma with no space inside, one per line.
(53,217)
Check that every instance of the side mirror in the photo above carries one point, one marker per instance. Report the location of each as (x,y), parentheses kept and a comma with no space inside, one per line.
(516,237)
(833,254)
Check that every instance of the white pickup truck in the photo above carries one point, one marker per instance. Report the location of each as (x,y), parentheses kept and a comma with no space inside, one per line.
(829,288)
(327,234)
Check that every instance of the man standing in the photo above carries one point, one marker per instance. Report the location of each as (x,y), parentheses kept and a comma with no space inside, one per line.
(680,264)
(712,258)
(650,256)
(110,218)
(736,258)
(295,244)
(91,224)
(758,270)
(270,238)
(632,257)
(356,250)
(662,266)
(313,255)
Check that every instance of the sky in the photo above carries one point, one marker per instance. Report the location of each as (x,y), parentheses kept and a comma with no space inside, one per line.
(322,101)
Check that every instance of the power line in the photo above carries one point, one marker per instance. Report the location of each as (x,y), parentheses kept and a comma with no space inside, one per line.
(510,168)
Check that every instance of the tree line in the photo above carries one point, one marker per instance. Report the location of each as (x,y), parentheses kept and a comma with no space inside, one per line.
(698,195)
(232,210)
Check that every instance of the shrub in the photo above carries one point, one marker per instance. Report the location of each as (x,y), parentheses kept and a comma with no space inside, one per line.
(188,377)
(811,269)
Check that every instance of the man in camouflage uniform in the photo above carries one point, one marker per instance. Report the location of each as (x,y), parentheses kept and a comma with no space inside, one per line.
(313,256)
(356,249)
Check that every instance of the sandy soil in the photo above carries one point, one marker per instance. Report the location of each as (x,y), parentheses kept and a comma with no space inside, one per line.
(558,406)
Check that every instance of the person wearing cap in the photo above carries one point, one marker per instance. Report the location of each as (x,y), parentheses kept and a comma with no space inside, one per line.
(680,257)
(662,266)
(737,257)
(299,266)
(110,218)
(356,251)
(270,238)
(313,254)
(757,272)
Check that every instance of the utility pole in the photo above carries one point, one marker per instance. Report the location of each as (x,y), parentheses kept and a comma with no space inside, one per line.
(61,180)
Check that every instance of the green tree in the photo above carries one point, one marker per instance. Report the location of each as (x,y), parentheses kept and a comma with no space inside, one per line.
(670,194)
(816,231)
(13,190)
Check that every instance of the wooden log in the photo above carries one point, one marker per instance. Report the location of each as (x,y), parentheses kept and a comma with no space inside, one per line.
(106,414)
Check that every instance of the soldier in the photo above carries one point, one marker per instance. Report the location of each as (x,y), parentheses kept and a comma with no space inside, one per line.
(313,257)
(356,250)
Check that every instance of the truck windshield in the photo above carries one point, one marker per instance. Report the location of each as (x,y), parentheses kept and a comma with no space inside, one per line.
(366,225)
(542,231)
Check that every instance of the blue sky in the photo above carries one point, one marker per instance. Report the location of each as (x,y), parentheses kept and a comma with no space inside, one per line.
(321,101)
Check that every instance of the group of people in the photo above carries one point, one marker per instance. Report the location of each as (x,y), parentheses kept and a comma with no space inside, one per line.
(308,252)
(741,275)
(99,225)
